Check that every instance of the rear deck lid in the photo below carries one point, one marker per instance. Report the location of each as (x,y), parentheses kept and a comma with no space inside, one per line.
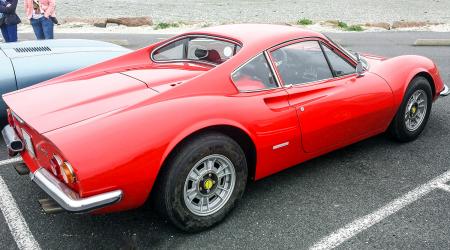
(52,106)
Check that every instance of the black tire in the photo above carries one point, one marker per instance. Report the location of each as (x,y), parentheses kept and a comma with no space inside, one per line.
(398,129)
(169,193)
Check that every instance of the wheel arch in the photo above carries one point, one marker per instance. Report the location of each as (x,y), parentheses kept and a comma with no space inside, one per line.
(427,76)
(234,131)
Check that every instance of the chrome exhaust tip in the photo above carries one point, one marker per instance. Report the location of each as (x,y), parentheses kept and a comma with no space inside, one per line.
(12,141)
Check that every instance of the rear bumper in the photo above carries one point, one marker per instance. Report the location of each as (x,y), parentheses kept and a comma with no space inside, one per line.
(57,190)
(445,92)
(67,198)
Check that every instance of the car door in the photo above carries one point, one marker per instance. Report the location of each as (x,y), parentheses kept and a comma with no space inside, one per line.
(265,111)
(334,105)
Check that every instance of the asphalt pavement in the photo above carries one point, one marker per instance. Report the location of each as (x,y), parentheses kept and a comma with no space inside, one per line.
(299,207)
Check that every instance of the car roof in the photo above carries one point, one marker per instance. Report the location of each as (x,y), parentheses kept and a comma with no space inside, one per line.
(259,35)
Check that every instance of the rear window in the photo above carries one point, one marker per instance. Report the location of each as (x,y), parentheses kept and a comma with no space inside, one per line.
(197,49)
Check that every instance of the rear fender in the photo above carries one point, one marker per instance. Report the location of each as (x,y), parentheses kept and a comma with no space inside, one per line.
(197,127)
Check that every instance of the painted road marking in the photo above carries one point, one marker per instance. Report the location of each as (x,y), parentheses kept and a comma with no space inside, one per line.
(16,223)
(444,187)
(352,229)
(9,161)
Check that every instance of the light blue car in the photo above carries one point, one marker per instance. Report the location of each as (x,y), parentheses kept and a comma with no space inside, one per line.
(26,63)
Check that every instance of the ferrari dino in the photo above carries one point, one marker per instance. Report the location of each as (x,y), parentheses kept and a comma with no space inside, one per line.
(186,122)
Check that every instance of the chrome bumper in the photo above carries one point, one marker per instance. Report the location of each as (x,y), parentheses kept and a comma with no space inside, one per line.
(13,143)
(67,198)
(445,92)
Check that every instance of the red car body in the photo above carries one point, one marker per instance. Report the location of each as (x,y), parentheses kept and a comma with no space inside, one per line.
(118,121)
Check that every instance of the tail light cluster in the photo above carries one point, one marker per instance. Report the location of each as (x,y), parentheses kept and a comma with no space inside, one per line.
(63,168)
(59,167)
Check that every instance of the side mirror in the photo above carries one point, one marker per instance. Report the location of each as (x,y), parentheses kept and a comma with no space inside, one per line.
(359,65)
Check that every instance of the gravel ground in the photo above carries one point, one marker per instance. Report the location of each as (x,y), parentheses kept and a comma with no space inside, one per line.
(261,11)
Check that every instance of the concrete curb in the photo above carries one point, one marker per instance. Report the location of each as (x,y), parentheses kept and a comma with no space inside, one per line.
(432,42)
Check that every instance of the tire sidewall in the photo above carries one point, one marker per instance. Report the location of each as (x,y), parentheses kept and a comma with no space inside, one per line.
(418,83)
(193,152)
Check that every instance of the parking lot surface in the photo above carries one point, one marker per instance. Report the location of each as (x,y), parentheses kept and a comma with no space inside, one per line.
(348,196)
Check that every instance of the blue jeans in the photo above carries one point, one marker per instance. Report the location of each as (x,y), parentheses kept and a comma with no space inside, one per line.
(42,27)
(9,33)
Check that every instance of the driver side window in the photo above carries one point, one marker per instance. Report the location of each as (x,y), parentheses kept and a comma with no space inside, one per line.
(340,66)
(301,63)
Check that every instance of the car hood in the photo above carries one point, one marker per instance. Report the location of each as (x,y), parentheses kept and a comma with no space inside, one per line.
(48,107)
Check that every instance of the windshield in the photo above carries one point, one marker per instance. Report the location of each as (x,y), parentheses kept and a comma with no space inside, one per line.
(349,53)
(197,49)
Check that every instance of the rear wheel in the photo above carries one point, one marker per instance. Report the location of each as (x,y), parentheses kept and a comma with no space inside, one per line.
(414,111)
(202,182)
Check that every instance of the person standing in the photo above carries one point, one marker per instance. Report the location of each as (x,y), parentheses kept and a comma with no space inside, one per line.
(41,14)
(9,19)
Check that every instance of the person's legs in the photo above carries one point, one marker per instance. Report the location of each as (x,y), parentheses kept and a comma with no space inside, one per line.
(37,28)
(5,33)
(47,26)
(12,32)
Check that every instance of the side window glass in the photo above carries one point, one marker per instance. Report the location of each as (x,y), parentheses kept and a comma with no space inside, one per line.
(339,65)
(254,75)
(174,51)
(301,63)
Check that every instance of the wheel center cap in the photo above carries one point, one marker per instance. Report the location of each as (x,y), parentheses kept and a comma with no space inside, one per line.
(413,109)
(208,184)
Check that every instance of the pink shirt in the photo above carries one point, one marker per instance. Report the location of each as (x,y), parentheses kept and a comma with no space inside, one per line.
(48,6)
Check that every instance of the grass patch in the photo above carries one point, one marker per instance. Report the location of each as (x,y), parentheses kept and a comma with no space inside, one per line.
(355,28)
(346,27)
(304,21)
(342,25)
(161,26)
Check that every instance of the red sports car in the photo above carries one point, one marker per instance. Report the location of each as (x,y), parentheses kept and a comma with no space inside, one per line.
(188,121)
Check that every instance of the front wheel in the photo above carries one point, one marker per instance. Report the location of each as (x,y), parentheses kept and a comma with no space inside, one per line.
(414,111)
(202,181)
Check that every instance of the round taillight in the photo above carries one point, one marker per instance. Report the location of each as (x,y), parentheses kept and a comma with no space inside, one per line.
(55,162)
(67,173)
(63,168)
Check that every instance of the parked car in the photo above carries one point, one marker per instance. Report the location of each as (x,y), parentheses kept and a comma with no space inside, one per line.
(26,63)
(188,121)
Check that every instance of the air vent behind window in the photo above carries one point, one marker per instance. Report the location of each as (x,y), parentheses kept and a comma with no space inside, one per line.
(32,49)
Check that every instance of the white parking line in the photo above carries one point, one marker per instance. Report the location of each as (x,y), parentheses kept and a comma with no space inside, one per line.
(350,230)
(12,160)
(16,223)
(444,187)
